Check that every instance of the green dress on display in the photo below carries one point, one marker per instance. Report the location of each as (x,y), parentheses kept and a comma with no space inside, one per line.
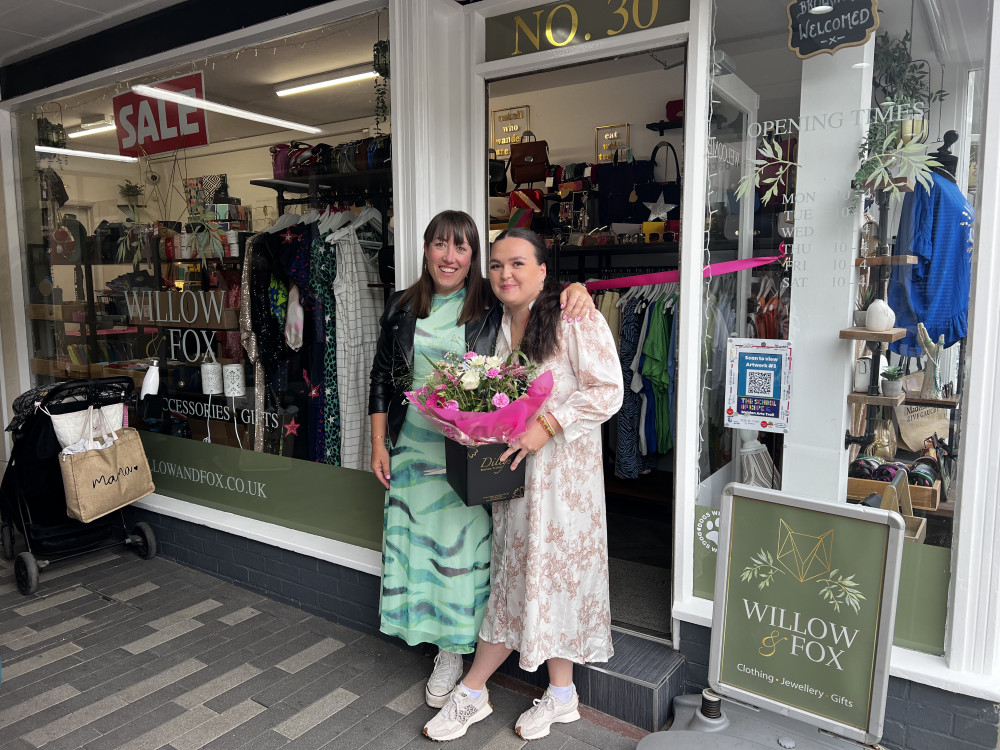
(435,549)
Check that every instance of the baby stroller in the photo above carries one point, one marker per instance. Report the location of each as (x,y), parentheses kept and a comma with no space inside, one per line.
(32,499)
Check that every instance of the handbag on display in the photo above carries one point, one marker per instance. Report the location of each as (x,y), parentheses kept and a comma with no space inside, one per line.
(575,171)
(279,160)
(322,154)
(524,206)
(498,174)
(616,180)
(529,160)
(361,155)
(62,247)
(381,157)
(345,159)
(184,379)
(99,477)
(300,159)
(650,191)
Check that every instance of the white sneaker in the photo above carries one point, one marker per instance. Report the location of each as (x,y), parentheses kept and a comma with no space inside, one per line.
(534,723)
(459,713)
(447,672)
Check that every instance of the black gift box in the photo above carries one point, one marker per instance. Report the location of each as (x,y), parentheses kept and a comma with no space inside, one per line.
(479,477)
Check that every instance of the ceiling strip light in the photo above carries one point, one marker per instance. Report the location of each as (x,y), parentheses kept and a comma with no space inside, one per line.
(222,109)
(91,131)
(301,89)
(85,154)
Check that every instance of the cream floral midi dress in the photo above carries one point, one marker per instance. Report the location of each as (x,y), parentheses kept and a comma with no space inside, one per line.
(549,569)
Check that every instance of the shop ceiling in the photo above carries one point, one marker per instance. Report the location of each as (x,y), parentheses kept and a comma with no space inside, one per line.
(247,79)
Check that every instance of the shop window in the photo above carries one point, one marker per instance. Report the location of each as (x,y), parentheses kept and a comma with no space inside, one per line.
(859,170)
(245,255)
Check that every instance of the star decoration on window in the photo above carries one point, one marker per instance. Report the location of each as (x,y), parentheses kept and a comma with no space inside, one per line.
(658,211)
(292,428)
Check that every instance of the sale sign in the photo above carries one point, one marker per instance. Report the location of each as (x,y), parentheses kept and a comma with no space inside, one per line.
(152,126)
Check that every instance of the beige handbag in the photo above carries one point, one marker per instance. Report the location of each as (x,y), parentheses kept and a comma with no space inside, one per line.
(101,480)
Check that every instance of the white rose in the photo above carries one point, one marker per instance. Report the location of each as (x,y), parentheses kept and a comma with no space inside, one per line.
(470,380)
(493,362)
(478,361)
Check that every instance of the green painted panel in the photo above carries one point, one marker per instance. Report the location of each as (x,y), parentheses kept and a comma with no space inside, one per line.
(330,501)
(921,606)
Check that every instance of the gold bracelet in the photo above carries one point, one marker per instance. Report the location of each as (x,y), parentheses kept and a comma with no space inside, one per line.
(378,437)
(545,423)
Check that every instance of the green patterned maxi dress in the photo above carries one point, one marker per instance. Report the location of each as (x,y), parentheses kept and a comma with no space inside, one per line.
(435,549)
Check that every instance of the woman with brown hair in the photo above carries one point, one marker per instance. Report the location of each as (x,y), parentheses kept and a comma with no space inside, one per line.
(435,549)
(549,589)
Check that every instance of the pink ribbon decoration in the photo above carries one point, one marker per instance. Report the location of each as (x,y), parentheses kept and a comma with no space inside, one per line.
(667,277)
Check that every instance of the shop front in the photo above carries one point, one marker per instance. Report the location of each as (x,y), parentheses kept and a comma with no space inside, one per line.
(731,179)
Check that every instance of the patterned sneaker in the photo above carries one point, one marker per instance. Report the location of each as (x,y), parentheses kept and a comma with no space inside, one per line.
(458,714)
(534,723)
(447,672)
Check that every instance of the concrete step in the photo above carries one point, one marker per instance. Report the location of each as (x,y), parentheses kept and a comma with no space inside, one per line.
(637,685)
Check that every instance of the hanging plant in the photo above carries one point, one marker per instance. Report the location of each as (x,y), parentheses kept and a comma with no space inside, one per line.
(131,192)
(897,76)
(380,64)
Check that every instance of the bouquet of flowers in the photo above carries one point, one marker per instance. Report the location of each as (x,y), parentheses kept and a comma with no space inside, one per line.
(474,399)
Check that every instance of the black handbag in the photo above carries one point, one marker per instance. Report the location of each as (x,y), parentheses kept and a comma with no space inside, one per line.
(183,379)
(498,175)
(650,191)
(615,183)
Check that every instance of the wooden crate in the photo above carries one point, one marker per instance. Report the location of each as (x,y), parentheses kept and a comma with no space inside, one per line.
(923,498)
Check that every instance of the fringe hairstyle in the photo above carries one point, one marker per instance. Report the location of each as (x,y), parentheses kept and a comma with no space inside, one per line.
(459,226)
(541,336)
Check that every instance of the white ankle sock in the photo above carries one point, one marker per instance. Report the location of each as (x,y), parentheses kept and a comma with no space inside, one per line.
(474,694)
(562,694)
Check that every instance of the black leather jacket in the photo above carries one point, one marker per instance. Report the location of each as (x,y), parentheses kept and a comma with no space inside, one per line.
(392,371)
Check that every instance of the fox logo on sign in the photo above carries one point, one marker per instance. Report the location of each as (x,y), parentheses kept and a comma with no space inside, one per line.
(152,126)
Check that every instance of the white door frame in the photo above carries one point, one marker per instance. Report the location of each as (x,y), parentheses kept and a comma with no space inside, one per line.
(696,32)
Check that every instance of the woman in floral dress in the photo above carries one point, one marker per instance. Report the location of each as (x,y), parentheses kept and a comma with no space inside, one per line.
(549,580)
(435,549)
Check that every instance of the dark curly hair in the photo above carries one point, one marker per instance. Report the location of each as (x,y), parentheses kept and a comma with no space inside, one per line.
(541,335)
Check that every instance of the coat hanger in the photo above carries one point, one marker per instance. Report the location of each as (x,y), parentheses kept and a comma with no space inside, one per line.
(284,221)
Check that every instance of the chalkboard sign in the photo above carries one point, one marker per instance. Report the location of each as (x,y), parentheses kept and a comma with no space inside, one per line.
(851,23)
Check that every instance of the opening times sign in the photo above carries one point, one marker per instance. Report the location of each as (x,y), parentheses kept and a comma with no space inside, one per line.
(808,590)
(759,384)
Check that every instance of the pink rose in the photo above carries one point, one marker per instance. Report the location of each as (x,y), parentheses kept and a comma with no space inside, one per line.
(500,400)
(451,405)
(493,373)
(469,355)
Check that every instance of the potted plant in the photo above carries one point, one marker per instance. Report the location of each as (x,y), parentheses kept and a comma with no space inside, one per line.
(131,192)
(866,295)
(892,383)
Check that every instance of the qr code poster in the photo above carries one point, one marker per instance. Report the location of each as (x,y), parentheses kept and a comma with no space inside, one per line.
(758,384)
